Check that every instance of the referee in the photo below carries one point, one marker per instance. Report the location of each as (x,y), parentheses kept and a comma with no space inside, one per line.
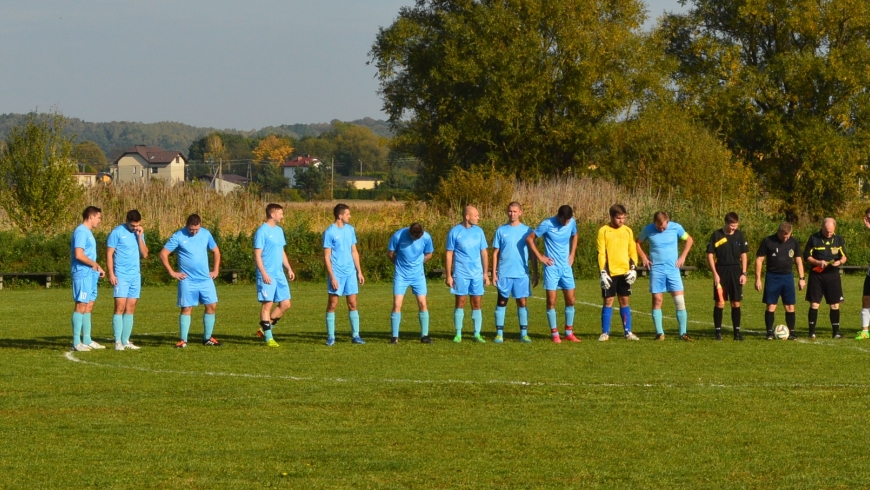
(780,250)
(824,253)
(726,254)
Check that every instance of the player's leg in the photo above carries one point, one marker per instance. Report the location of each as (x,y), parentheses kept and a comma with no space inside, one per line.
(353,316)
(719,303)
(681,314)
(460,292)
(127,331)
(790,321)
(657,300)
(118,319)
(208,297)
(734,292)
(396,316)
(523,320)
(183,326)
(735,320)
(770,296)
(86,316)
(566,284)
(834,296)
(331,305)
(500,310)
(423,316)
(814,295)
(864,333)
(789,299)
(608,296)
(476,314)
(551,284)
(625,314)
(187,299)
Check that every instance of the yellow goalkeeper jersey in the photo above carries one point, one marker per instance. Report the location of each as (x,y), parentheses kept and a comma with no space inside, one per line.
(616,248)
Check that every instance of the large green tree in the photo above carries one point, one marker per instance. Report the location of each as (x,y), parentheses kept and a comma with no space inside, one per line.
(785,84)
(89,153)
(524,85)
(37,170)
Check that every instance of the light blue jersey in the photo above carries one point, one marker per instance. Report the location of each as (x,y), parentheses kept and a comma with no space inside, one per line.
(270,240)
(83,238)
(192,253)
(341,241)
(126,257)
(557,239)
(466,244)
(663,245)
(410,253)
(513,251)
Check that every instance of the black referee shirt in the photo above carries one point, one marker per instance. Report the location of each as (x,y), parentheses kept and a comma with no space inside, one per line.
(780,255)
(827,249)
(727,248)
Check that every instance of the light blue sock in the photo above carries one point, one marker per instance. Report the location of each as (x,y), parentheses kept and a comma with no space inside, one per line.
(77,328)
(118,327)
(682,320)
(86,328)
(353,316)
(551,318)
(207,325)
(267,334)
(128,328)
(569,316)
(458,317)
(625,314)
(424,323)
(183,326)
(330,324)
(657,321)
(606,319)
(477,320)
(523,317)
(395,321)
(499,317)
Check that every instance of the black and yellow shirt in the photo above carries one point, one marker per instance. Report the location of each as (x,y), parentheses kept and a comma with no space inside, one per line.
(727,248)
(827,249)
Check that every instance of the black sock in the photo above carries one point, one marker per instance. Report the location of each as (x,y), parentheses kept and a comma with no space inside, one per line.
(769,316)
(265,326)
(717,318)
(790,320)
(812,318)
(735,319)
(835,321)
(275,320)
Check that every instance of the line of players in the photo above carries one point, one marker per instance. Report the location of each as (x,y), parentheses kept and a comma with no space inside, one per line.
(515,261)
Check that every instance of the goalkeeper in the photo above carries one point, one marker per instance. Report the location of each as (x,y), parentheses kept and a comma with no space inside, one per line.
(617,256)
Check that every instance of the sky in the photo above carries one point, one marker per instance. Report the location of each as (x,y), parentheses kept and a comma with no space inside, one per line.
(212,63)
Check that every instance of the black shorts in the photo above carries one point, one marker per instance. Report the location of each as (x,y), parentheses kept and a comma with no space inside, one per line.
(618,287)
(825,285)
(867,284)
(729,279)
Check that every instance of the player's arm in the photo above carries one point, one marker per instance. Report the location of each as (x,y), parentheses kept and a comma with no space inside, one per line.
(573,250)
(427,256)
(164,258)
(290,274)
(744,261)
(632,248)
(682,258)
(217,262)
(640,253)
(140,240)
(711,261)
(448,267)
(81,257)
(759,261)
(484,260)
(391,255)
(533,269)
(530,241)
(327,257)
(355,255)
(258,260)
(110,264)
(495,265)
(601,246)
(800,266)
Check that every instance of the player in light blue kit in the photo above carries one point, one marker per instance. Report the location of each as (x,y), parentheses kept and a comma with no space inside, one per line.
(343,273)
(560,239)
(510,271)
(126,244)
(409,249)
(195,281)
(467,269)
(664,264)
(86,272)
(271,260)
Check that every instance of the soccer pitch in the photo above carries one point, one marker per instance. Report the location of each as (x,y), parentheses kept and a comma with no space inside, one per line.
(617,414)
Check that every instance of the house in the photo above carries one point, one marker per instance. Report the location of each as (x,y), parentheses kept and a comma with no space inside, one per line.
(85,179)
(226,183)
(143,163)
(296,166)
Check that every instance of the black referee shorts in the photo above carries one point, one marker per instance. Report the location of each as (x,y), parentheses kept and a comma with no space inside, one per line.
(825,285)
(729,279)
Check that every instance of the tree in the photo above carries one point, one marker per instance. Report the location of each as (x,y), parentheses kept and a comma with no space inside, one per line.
(522,85)
(37,170)
(89,153)
(312,182)
(273,149)
(270,178)
(785,85)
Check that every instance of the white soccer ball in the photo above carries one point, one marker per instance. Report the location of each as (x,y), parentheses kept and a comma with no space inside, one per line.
(781,332)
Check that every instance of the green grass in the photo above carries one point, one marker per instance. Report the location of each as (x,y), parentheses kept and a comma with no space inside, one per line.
(617,414)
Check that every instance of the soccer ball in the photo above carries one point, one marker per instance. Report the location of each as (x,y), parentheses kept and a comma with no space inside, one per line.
(781,332)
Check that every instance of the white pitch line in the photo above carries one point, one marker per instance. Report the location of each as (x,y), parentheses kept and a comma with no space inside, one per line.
(71,357)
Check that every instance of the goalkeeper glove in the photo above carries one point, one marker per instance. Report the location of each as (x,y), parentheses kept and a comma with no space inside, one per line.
(631,275)
(606,281)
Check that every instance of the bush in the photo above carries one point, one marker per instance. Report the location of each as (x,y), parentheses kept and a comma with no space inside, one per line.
(483,187)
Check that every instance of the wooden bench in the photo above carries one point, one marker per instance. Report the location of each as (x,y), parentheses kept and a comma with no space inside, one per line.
(853,268)
(685,270)
(47,275)
(233,273)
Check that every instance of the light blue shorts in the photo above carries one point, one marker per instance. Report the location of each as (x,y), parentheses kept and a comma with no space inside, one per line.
(127,287)
(85,289)
(518,287)
(347,286)
(276,292)
(465,286)
(558,278)
(196,293)
(418,285)
(665,279)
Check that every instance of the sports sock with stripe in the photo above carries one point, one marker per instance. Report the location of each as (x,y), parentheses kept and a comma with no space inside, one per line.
(769,317)
(812,318)
(551,318)
(834,315)
(717,319)
(266,327)
(606,319)
(499,317)
(569,317)
(523,317)
(790,320)
(625,314)
(735,319)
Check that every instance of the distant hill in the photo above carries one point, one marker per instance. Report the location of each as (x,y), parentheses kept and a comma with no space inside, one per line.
(114,137)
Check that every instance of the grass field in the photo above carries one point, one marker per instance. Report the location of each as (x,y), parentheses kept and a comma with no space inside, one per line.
(616,415)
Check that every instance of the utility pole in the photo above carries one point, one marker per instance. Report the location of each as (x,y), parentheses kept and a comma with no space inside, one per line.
(332,184)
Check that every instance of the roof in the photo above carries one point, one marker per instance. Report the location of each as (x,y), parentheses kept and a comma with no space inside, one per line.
(301,161)
(153,154)
(231,178)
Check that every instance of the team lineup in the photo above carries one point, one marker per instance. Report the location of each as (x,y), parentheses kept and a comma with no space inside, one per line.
(514,272)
